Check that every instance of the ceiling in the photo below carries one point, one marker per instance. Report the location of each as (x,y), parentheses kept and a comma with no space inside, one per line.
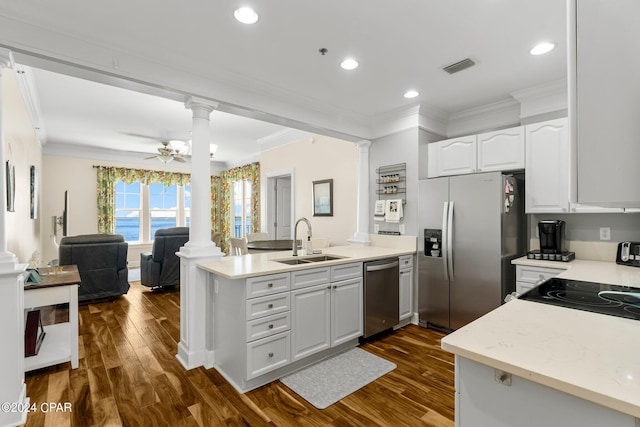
(272,70)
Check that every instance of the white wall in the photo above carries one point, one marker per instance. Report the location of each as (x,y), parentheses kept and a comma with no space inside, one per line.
(22,148)
(314,159)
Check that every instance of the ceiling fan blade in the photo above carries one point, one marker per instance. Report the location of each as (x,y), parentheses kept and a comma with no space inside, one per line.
(152,157)
(179,159)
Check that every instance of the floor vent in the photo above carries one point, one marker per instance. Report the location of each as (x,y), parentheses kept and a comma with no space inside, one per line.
(459,66)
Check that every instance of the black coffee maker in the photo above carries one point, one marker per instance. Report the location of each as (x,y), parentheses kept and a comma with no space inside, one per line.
(551,233)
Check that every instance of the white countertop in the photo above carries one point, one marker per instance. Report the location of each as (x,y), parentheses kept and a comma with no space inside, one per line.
(588,355)
(239,267)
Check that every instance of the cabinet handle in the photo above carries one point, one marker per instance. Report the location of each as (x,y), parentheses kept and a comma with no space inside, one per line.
(270,326)
(335,287)
(270,354)
(270,306)
(270,285)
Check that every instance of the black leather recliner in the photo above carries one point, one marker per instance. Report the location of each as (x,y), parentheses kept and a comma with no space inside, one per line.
(101,261)
(161,266)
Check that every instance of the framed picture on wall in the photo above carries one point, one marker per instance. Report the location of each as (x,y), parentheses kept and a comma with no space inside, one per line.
(323,197)
(11,186)
(33,174)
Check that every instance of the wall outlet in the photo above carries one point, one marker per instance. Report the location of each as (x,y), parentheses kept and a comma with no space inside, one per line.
(605,233)
(401,228)
(376,228)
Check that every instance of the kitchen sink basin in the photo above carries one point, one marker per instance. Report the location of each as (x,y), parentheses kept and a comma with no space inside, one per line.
(307,259)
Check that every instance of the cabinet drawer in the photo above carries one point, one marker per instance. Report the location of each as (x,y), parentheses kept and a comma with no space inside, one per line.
(267,326)
(267,285)
(268,354)
(265,306)
(310,277)
(535,275)
(522,287)
(346,271)
(406,261)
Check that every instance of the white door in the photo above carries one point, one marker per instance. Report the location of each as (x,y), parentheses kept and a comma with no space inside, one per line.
(310,324)
(283,208)
(501,150)
(548,167)
(346,310)
(452,156)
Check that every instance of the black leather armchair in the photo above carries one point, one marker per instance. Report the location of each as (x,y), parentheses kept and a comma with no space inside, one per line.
(161,266)
(101,261)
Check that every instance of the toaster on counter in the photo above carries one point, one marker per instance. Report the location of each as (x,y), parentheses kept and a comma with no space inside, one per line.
(628,254)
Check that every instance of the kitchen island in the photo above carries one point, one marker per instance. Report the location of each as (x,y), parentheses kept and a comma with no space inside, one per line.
(530,364)
(272,313)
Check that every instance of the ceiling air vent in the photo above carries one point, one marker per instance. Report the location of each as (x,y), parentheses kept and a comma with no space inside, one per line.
(459,66)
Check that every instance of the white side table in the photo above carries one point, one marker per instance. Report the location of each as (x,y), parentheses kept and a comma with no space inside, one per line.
(60,343)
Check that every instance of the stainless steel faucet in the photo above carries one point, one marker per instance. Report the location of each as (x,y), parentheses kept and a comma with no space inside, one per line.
(295,234)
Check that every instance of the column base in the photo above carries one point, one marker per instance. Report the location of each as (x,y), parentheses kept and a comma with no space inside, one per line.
(360,239)
(196,301)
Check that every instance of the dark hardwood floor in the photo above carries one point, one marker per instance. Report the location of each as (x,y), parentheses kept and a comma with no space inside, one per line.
(129,376)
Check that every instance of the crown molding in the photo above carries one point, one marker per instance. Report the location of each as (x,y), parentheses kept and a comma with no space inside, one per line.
(27,87)
(418,115)
(542,99)
(484,118)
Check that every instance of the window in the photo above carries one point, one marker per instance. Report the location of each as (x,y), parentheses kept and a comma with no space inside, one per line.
(241,208)
(142,209)
(128,210)
(162,206)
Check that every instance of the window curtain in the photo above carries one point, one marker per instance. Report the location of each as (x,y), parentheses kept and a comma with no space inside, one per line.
(251,173)
(107,176)
(216,220)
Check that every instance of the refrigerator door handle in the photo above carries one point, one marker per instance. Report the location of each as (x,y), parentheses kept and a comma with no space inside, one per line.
(450,240)
(445,262)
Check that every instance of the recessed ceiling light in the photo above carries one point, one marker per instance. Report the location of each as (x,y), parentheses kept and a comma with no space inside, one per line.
(411,94)
(542,48)
(349,64)
(246,15)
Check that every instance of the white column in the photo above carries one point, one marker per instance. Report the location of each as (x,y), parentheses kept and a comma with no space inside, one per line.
(196,299)
(12,387)
(361,237)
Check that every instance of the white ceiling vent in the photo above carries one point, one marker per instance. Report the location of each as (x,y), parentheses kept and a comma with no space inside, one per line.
(459,66)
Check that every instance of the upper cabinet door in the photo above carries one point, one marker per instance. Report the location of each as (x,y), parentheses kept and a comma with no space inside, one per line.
(452,157)
(548,167)
(501,150)
(606,84)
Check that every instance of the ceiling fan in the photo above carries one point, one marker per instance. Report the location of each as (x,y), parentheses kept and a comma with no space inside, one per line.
(167,153)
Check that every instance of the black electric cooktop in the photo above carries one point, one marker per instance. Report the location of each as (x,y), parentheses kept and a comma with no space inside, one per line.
(584,296)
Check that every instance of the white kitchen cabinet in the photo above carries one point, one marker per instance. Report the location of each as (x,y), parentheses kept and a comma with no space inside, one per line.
(490,151)
(501,150)
(452,156)
(311,320)
(528,277)
(605,86)
(549,186)
(346,310)
(489,397)
(406,287)
(327,314)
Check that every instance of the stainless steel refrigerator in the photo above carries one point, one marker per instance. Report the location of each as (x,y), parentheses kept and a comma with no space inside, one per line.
(472,226)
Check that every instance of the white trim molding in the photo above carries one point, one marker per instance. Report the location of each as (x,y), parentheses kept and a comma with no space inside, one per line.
(542,99)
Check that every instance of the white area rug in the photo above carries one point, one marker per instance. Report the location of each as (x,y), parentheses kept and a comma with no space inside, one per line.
(330,380)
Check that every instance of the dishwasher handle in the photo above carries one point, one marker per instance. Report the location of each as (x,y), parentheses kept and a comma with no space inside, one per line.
(386,266)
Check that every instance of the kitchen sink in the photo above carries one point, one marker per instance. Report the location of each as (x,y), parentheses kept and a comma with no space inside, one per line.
(307,259)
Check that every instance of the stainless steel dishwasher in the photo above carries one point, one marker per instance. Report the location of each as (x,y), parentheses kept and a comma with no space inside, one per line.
(381,295)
